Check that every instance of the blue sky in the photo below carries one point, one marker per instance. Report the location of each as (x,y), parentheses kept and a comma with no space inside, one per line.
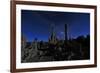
(36,24)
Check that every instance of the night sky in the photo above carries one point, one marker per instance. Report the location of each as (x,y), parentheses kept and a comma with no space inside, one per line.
(36,24)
